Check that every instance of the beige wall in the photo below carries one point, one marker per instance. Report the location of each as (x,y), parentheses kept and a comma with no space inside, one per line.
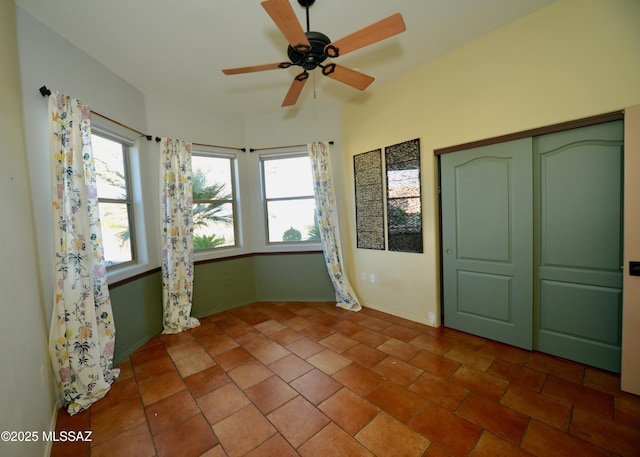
(573,59)
(27,398)
(631,293)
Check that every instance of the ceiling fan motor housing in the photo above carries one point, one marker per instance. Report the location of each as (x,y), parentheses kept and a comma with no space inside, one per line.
(310,58)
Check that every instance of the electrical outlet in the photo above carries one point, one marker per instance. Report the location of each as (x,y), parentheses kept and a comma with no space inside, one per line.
(432,317)
(226,281)
(372,278)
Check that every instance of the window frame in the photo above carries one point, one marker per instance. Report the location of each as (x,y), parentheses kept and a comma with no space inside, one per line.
(233,162)
(265,201)
(129,201)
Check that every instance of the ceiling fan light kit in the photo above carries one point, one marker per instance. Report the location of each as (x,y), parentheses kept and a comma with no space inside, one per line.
(309,50)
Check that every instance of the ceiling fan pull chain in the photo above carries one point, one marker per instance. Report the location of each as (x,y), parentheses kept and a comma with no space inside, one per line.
(314,85)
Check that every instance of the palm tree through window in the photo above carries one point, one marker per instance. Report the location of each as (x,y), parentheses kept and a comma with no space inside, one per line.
(214,204)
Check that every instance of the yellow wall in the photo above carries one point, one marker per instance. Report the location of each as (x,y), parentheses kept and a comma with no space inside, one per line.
(573,59)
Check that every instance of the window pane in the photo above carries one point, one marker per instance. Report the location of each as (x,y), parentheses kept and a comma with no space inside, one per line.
(116,233)
(213,225)
(109,162)
(292,220)
(288,177)
(112,184)
(211,178)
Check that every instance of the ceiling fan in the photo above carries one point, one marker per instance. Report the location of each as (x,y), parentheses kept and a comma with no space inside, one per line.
(309,49)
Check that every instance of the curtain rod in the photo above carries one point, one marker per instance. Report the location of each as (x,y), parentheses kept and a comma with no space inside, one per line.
(158,139)
(281,147)
(45,92)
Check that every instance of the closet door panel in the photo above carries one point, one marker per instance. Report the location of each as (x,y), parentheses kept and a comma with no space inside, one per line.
(578,254)
(483,188)
(485,295)
(581,205)
(562,302)
(487,241)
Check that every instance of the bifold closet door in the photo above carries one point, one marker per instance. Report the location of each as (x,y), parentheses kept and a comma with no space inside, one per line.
(487,240)
(578,244)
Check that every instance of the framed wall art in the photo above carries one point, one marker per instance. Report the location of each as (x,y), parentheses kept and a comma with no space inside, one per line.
(404,200)
(367,168)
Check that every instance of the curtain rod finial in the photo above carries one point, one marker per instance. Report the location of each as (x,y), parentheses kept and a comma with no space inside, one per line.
(44,91)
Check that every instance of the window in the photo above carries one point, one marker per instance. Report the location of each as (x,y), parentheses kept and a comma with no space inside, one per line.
(290,207)
(214,204)
(114,199)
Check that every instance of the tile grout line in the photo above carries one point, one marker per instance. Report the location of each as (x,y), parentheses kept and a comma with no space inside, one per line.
(455,339)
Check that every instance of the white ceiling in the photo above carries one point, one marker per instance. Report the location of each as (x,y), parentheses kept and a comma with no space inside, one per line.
(178,47)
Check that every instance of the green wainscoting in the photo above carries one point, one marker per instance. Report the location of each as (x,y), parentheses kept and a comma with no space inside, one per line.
(222,285)
(137,310)
(219,285)
(292,277)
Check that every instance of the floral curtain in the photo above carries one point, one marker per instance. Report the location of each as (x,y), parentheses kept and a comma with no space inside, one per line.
(177,235)
(328,222)
(82,334)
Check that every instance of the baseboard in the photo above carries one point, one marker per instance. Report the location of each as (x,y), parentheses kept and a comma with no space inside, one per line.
(52,427)
(394,312)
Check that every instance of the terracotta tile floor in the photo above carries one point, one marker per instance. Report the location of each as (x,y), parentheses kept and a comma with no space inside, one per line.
(309,379)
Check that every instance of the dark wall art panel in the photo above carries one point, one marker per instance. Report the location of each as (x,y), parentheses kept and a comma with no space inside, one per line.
(404,202)
(367,168)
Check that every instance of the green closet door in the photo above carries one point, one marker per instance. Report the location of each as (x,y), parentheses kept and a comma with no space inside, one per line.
(487,240)
(578,244)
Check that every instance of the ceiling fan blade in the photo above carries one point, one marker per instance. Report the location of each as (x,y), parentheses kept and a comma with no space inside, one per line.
(370,34)
(254,68)
(294,91)
(284,17)
(350,77)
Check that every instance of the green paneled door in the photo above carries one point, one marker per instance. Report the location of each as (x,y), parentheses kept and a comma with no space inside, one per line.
(532,243)
(487,241)
(578,244)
